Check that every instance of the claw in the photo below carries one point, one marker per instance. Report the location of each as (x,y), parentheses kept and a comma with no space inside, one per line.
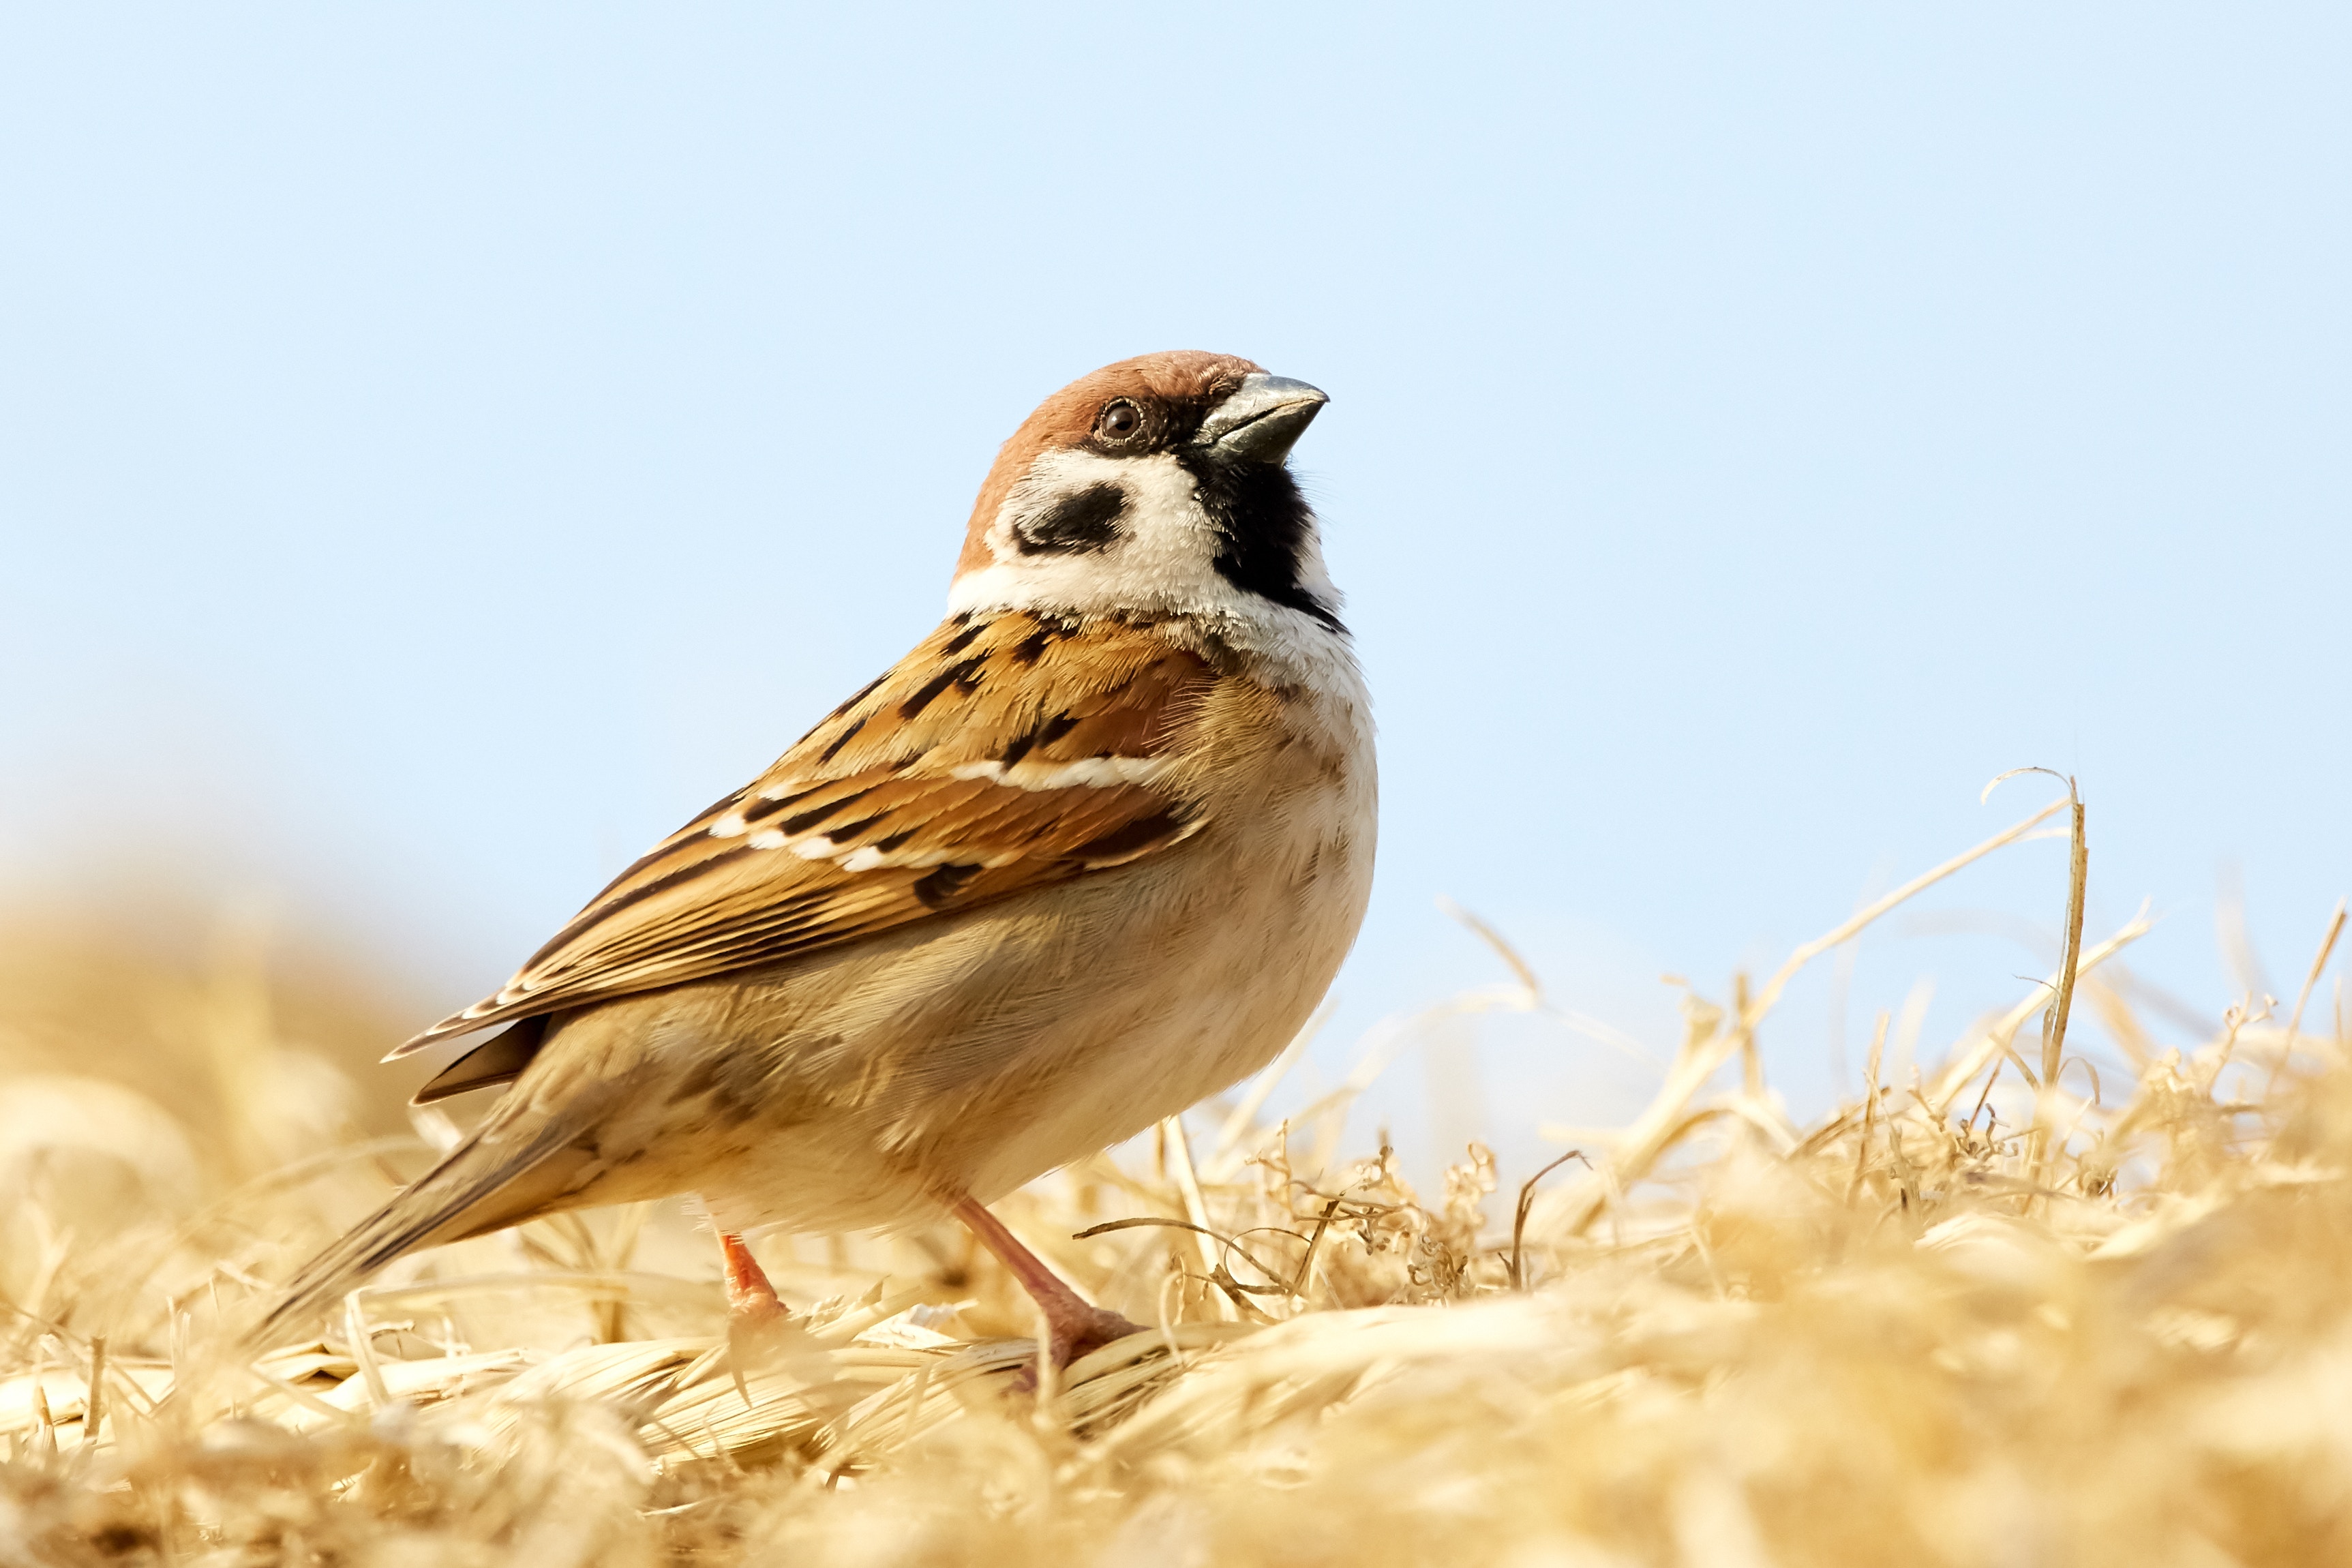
(1073,1324)
(751,1305)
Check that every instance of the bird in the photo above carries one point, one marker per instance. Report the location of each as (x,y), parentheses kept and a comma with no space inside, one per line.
(1090,852)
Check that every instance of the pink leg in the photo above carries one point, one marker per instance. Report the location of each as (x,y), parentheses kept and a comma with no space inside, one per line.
(1072,1325)
(750,1300)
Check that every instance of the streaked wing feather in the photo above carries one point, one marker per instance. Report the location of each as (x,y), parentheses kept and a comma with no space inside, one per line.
(998,756)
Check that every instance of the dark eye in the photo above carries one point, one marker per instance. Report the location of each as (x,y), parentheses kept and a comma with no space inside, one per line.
(1119,420)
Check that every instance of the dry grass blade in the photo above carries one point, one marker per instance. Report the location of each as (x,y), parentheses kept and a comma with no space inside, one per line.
(1869,1105)
(1996,1042)
(1653,1132)
(1196,1207)
(2062,1005)
(1518,1273)
(2303,997)
(1518,966)
(1894,1333)
(2053,1032)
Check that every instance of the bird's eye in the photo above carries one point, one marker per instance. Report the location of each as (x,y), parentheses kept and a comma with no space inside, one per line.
(1120,420)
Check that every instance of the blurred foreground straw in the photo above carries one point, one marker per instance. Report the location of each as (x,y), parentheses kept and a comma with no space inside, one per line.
(2016,1309)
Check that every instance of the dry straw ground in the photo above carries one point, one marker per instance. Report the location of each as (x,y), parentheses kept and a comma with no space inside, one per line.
(2009,1311)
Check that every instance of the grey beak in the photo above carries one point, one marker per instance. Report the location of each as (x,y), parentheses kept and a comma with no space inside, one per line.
(1262,419)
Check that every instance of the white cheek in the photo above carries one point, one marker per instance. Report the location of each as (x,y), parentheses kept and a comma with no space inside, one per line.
(1163,559)
(1163,563)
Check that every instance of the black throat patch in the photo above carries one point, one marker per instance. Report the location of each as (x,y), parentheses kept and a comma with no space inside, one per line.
(1263,522)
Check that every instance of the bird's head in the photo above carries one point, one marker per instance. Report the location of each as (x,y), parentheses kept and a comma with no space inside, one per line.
(1154,486)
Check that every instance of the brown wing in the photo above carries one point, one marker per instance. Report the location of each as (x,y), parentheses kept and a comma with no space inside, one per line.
(1003,754)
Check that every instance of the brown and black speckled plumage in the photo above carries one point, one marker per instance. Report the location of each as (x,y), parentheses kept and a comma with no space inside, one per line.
(1091,850)
(879,774)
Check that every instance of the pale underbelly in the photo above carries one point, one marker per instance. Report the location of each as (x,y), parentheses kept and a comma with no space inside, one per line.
(864,1089)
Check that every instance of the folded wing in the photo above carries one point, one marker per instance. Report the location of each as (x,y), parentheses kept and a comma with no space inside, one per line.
(1003,754)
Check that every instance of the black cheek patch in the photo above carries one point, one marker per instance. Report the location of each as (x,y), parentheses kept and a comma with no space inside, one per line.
(1078,523)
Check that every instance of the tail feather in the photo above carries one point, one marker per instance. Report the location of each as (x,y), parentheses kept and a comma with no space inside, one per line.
(481,1186)
(499,1059)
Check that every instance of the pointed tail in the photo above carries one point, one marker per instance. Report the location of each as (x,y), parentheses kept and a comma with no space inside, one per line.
(482,1186)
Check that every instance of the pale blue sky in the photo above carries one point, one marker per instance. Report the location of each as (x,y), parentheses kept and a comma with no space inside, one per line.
(442,446)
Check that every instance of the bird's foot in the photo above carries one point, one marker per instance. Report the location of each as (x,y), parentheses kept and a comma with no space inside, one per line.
(1069,1335)
(1067,1340)
(753,1314)
(1073,1324)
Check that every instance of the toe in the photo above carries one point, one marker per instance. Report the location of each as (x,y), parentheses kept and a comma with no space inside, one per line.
(1103,1328)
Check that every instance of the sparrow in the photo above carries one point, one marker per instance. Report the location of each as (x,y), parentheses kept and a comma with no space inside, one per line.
(1090,852)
